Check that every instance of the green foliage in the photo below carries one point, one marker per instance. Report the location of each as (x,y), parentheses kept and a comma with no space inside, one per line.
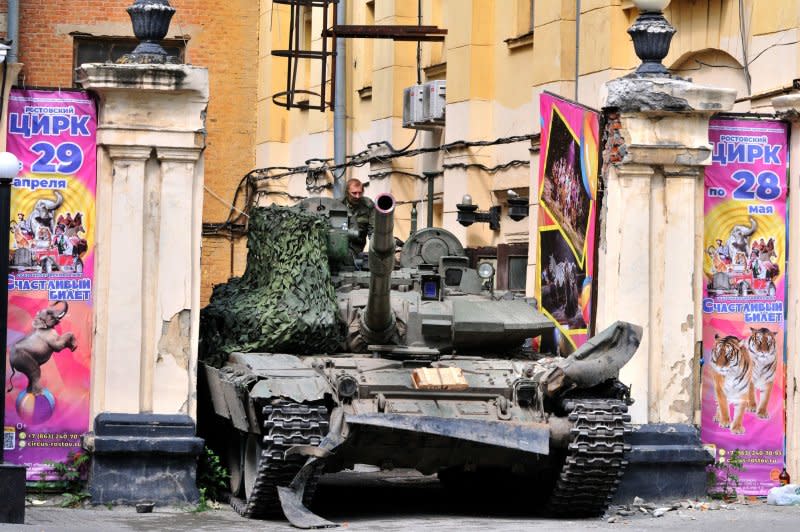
(71,479)
(723,477)
(285,301)
(212,478)
(203,504)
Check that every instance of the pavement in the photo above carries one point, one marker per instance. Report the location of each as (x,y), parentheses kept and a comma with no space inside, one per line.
(395,501)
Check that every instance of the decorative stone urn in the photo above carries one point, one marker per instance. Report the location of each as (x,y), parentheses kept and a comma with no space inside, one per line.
(651,34)
(150,19)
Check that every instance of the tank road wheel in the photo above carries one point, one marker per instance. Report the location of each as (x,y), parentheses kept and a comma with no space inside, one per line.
(264,466)
(595,458)
(235,463)
(253,450)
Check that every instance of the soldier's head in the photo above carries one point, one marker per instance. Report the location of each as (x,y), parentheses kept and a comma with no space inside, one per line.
(355,189)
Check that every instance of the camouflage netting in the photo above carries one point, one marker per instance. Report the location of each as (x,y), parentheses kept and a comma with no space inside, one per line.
(285,301)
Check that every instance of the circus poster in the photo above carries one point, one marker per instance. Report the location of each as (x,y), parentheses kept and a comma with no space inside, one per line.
(50,277)
(744,268)
(567,187)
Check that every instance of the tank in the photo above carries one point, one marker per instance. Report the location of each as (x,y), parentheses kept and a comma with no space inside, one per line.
(434,373)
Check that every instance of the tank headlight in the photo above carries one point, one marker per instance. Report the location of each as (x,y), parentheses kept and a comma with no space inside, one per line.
(346,386)
(485,270)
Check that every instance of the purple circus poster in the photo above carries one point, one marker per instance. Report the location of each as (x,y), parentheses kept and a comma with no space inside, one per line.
(51,264)
(567,184)
(744,269)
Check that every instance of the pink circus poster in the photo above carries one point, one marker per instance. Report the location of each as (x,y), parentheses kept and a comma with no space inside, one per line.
(567,185)
(744,269)
(50,276)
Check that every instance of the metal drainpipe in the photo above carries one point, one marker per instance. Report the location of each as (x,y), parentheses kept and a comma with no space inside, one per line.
(339,115)
(13,31)
(577,45)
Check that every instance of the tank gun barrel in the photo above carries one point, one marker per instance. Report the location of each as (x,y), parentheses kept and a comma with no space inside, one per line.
(378,320)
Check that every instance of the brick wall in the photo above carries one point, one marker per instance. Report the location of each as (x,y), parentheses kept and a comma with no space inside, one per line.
(223,37)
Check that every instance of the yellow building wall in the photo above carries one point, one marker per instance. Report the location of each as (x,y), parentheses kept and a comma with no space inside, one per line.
(496,68)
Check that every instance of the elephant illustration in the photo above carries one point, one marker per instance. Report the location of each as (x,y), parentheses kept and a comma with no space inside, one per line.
(739,240)
(43,213)
(34,349)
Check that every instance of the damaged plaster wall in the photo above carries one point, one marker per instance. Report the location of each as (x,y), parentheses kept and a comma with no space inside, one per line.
(173,363)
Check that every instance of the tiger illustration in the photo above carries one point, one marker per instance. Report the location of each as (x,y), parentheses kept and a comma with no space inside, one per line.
(761,349)
(732,381)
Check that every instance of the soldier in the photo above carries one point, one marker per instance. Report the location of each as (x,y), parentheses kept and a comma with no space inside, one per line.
(360,214)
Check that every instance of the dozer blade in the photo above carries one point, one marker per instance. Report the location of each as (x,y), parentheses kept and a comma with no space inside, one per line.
(291,496)
(532,438)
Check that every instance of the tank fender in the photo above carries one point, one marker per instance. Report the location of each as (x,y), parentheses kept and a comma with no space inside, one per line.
(287,376)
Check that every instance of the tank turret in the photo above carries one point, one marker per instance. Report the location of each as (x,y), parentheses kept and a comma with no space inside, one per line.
(378,324)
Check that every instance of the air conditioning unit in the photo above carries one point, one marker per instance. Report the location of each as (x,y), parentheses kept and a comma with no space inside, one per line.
(412,106)
(433,102)
(424,105)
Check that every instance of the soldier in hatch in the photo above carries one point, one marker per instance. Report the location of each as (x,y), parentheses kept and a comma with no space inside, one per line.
(361,214)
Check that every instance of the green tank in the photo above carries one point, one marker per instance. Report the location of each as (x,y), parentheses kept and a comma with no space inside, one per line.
(432,373)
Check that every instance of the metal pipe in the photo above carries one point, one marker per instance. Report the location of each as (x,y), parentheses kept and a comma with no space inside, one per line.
(5,216)
(12,34)
(430,176)
(339,114)
(577,45)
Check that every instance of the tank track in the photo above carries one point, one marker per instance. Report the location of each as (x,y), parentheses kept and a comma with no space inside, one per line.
(286,424)
(595,458)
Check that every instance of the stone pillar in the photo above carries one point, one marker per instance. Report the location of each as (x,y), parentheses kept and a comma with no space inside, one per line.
(650,269)
(788,108)
(653,224)
(150,140)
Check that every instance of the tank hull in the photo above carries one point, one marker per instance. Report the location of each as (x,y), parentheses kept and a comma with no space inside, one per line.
(483,414)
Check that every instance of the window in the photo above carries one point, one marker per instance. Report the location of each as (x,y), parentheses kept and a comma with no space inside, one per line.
(512,266)
(510,262)
(524,16)
(369,47)
(517,273)
(523,26)
(108,49)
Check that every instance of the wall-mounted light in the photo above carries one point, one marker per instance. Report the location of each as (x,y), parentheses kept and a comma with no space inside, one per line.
(517,206)
(468,214)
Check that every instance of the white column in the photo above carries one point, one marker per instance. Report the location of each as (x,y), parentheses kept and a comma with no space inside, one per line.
(789,107)
(177,264)
(675,297)
(125,263)
(624,271)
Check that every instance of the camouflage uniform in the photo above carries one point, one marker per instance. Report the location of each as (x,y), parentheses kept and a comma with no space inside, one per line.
(361,216)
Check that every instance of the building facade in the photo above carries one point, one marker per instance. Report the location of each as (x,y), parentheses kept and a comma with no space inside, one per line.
(497,58)
(55,37)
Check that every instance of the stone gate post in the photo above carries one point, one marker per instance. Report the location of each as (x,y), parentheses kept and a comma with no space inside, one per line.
(788,108)
(650,253)
(650,268)
(150,141)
